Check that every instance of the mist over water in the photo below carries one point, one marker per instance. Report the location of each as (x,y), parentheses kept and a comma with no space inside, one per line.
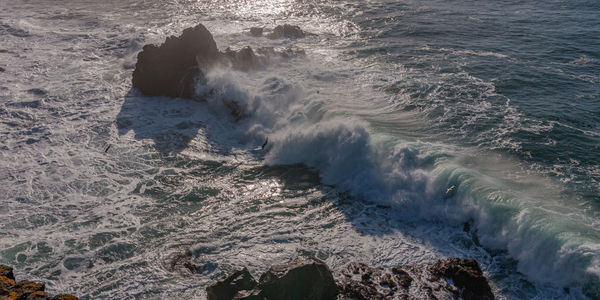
(404,122)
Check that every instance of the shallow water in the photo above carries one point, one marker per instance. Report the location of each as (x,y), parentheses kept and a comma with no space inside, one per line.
(405,121)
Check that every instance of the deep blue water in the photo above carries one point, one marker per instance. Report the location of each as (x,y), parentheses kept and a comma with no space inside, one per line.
(541,58)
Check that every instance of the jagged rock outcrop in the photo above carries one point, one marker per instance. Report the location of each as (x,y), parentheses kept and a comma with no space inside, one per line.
(310,278)
(466,275)
(244,59)
(451,278)
(11,289)
(228,287)
(302,278)
(172,68)
(359,281)
(287,31)
(305,278)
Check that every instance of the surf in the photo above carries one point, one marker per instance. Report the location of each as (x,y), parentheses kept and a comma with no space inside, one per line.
(551,241)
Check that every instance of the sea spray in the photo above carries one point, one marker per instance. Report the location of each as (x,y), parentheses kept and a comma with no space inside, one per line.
(487,110)
(550,243)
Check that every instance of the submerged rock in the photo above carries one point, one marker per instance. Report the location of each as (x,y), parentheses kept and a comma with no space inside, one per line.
(25,289)
(171,68)
(287,31)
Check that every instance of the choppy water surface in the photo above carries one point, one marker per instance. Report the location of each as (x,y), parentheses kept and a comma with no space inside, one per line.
(405,121)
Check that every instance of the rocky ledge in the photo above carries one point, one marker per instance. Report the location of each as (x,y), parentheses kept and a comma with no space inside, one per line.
(310,278)
(10,289)
(172,68)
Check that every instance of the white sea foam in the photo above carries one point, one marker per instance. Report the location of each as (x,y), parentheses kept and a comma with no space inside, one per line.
(550,241)
(104,222)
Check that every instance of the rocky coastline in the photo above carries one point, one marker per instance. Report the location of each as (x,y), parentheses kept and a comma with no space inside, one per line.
(10,289)
(310,278)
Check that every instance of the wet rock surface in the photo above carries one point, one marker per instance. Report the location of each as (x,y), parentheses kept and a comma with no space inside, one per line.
(287,31)
(419,281)
(310,278)
(256,31)
(466,275)
(172,68)
(302,278)
(244,59)
(451,278)
(25,289)
(229,287)
(359,281)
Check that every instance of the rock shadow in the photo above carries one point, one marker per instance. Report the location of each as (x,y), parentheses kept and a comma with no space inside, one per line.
(172,123)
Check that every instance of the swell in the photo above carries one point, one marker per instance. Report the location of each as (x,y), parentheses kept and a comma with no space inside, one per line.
(552,241)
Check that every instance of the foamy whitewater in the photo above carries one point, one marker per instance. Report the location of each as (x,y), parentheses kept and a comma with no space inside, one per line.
(411,131)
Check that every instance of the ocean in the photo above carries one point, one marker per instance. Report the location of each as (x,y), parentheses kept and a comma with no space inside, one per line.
(410,131)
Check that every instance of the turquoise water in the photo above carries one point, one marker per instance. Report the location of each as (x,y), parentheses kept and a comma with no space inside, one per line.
(411,131)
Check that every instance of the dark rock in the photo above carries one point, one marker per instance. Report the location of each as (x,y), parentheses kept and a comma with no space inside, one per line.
(2,69)
(7,271)
(256,31)
(310,278)
(11,289)
(183,262)
(359,281)
(402,277)
(287,31)
(247,59)
(30,286)
(6,284)
(269,52)
(171,68)
(305,278)
(302,278)
(244,59)
(466,275)
(64,297)
(229,286)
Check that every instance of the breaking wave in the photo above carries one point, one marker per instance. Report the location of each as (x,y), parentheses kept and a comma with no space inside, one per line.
(551,241)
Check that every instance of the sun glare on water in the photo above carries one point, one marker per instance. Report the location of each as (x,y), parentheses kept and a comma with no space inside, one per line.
(254,8)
